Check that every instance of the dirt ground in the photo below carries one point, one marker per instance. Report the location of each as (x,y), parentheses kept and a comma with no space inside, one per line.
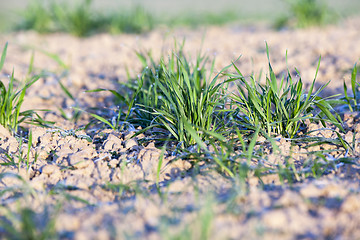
(105,188)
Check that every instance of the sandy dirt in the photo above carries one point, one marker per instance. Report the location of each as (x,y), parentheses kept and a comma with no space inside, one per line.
(100,184)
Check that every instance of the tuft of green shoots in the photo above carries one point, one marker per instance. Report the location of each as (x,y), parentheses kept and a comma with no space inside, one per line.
(36,17)
(78,20)
(12,98)
(81,19)
(279,108)
(191,106)
(186,98)
(175,96)
(135,20)
(307,13)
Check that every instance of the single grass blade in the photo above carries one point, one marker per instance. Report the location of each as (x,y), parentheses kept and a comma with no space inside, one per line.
(101,119)
(66,91)
(353,84)
(252,144)
(3,56)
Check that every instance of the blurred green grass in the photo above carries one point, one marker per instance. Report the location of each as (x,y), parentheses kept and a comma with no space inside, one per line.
(247,11)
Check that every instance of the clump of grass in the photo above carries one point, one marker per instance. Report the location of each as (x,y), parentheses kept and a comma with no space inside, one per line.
(279,109)
(11,100)
(36,17)
(187,98)
(306,13)
(183,100)
(146,94)
(175,96)
(80,19)
(135,20)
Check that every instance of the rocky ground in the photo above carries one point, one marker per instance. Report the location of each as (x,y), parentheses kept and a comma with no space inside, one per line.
(101,184)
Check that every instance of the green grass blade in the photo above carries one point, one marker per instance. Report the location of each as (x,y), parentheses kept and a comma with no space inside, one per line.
(3,56)
(252,144)
(347,97)
(31,64)
(353,83)
(324,107)
(66,91)
(101,119)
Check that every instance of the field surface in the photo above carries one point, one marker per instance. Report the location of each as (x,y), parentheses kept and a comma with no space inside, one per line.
(99,183)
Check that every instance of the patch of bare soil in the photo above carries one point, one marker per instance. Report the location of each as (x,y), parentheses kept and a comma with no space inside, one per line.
(101,184)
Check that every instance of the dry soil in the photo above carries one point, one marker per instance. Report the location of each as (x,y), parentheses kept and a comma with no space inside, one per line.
(104,182)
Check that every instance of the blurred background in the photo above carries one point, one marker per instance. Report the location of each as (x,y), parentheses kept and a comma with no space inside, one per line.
(16,14)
